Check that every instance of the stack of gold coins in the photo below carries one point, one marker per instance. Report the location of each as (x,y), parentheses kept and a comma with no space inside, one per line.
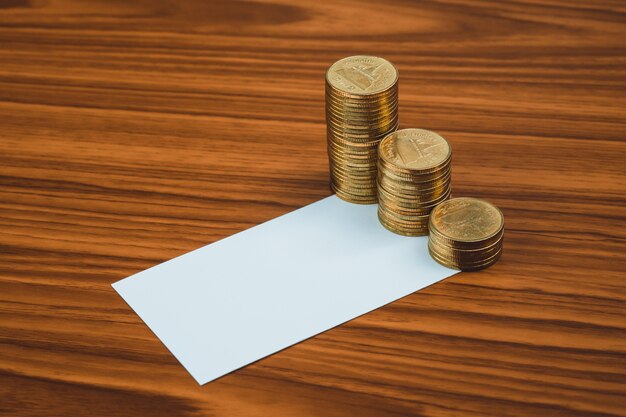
(466,234)
(414,168)
(361,109)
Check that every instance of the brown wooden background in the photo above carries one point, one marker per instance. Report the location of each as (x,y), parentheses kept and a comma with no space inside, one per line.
(132,131)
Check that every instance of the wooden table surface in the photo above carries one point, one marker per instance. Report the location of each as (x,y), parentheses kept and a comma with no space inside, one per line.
(134,131)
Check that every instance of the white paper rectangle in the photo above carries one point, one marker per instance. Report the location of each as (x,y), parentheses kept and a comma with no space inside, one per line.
(235,301)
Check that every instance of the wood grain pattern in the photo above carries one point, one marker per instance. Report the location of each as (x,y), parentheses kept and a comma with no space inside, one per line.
(134,131)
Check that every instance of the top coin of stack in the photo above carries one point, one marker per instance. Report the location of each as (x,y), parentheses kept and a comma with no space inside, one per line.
(466,234)
(414,169)
(361,109)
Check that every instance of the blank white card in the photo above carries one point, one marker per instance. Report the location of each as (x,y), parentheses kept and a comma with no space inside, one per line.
(235,301)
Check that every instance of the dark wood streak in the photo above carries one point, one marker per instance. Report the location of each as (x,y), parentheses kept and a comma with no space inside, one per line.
(134,131)
(66,398)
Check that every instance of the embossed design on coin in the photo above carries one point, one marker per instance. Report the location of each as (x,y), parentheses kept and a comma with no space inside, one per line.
(415,149)
(362,75)
(467,219)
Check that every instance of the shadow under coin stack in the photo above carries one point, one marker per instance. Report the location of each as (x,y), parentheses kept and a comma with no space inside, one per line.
(414,169)
(361,109)
(466,234)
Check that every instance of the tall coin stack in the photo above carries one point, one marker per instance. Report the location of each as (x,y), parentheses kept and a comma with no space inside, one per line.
(466,234)
(361,109)
(414,169)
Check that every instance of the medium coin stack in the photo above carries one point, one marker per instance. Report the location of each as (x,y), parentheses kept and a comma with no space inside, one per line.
(361,109)
(414,168)
(466,234)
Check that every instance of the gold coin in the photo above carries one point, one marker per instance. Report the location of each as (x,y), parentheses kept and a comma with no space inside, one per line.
(357,138)
(362,75)
(351,119)
(345,118)
(400,229)
(361,106)
(363,132)
(415,196)
(467,220)
(424,211)
(478,267)
(347,196)
(362,193)
(349,164)
(353,179)
(360,124)
(354,190)
(465,256)
(410,189)
(361,109)
(474,266)
(415,150)
(413,177)
(342,150)
(415,210)
(455,245)
(418,230)
(352,184)
(356,182)
(357,161)
(352,171)
(345,154)
(466,233)
(350,115)
(384,105)
(349,147)
(390,90)
(417,200)
(351,167)
(351,139)
(340,97)
(342,140)
(363,156)
(416,219)
(403,211)
(352,174)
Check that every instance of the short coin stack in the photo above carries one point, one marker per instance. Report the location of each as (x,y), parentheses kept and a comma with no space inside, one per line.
(361,109)
(466,234)
(414,169)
